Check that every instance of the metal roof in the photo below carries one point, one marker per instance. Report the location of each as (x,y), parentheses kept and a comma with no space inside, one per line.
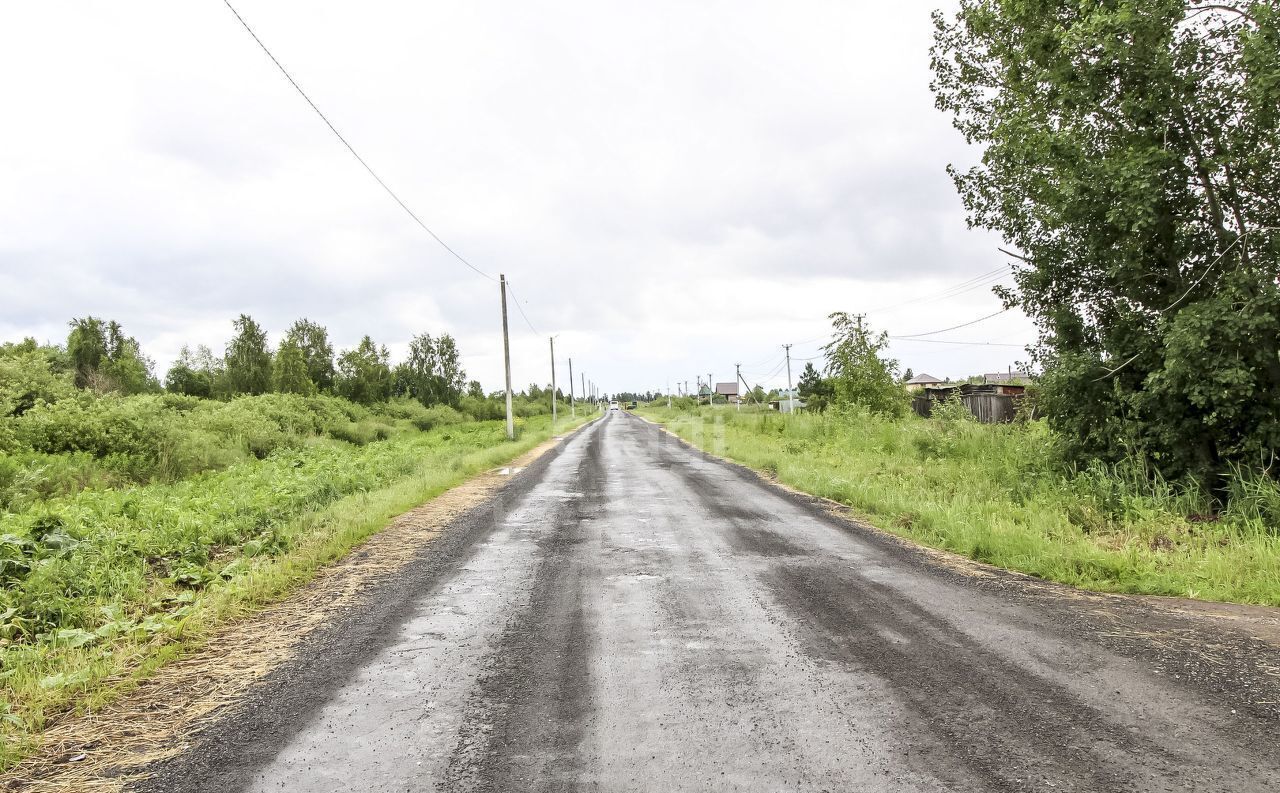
(923,379)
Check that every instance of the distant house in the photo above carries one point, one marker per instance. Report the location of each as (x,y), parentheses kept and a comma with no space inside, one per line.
(1011,382)
(922,381)
(1007,377)
(727,390)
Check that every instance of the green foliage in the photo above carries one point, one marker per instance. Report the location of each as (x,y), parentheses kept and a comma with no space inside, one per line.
(290,370)
(184,380)
(816,391)
(859,374)
(421,417)
(27,378)
(89,441)
(87,348)
(1130,155)
(433,372)
(248,359)
(364,373)
(196,374)
(95,581)
(104,359)
(312,339)
(951,410)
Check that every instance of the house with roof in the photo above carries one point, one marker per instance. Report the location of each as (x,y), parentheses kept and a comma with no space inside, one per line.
(922,381)
(727,390)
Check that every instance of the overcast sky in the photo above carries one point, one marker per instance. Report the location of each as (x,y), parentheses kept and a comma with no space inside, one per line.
(671,187)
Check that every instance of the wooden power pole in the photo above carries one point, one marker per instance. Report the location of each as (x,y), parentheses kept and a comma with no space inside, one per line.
(791,394)
(553,381)
(506,357)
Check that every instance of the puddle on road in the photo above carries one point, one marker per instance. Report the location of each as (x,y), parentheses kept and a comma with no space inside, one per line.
(509,470)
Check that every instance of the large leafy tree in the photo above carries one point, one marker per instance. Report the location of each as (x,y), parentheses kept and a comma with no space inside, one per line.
(248,359)
(1131,155)
(290,370)
(364,373)
(312,340)
(859,371)
(105,359)
(433,372)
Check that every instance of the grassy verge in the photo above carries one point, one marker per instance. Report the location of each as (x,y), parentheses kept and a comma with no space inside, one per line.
(994,493)
(106,585)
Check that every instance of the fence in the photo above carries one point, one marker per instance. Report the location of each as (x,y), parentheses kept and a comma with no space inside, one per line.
(986,408)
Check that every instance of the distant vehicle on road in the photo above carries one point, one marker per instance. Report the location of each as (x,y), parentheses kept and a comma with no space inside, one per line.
(613,405)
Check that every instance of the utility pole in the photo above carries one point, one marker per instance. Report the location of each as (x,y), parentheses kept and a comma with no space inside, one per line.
(744,385)
(583,375)
(573,412)
(506,357)
(711,390)
(791,394)
(859,317)
(737,370)
(668,394)
(553,381)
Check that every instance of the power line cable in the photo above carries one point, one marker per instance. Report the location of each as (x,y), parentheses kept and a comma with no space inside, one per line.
(781,360)
(954,327)
(944,341)
(968,285)
(977,282)
(516,300)
(351,148)
(766,362)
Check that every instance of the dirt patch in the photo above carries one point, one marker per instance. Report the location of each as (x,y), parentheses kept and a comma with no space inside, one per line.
(104,751)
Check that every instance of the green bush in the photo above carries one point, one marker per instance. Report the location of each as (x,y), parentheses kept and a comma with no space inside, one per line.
(86,440)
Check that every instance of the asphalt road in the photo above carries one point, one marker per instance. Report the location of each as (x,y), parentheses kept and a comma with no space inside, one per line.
(632,615)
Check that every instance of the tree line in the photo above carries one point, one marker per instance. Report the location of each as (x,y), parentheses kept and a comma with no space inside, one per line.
(104,359)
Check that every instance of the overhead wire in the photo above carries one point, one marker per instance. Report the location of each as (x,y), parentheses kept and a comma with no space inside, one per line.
(968,285)
(352,149)
(944,341)
(519,308)
(953,327)
(977,282)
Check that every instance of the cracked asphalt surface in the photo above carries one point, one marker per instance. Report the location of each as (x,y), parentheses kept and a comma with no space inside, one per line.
(630,614)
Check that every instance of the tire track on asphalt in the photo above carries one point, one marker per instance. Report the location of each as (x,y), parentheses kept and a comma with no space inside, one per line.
(524,722)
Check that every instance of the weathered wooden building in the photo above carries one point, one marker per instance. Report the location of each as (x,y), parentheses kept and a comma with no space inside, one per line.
(990,403)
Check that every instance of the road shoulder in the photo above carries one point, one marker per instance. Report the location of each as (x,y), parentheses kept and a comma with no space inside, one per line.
(1230,649)
(170,710)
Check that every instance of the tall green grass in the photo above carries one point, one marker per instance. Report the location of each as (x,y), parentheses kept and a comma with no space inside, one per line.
(998,494)
(103,582)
